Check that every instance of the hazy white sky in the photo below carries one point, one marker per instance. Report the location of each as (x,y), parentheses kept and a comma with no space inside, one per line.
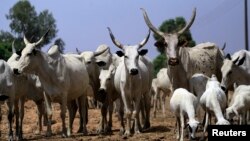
(83,23)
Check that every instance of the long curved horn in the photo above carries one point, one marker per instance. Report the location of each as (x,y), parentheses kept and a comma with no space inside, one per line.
(25,40)
(150,25)
(78,51)
(116,42)
(143,42)
(42,38)
(97,53)
(189,24)
(13,47)
(224,46)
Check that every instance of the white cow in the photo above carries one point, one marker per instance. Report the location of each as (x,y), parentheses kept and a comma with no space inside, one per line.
(197,86)
(183,104)
(183,62)
(7,89)
(161,87)
(131,80)
(63,77)
(30,87)
(109,95)
(236,69)
(92,68)
(239,104)
(214,101)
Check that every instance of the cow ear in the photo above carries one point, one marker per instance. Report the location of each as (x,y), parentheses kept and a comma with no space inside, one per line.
(120,53)
(241,61)
(159,43)
(19,52)
(228,56)
(143,52)
(101,63)
(34,52)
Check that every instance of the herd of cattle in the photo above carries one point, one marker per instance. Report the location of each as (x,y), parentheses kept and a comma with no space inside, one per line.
(198,76)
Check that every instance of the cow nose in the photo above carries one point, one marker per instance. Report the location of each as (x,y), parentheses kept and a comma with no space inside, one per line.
(101,95)
(223,88)
(3,97)
(101,91)
(193,138)
(173,61)
(16,71)
(134,71)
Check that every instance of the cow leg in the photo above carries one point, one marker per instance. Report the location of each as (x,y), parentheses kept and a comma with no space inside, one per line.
(121,116)
(147,110)
(163,103)
(40,112)
(178,126)
(83,110)
(72,108)
(103,121)
(49,113)
(128,113)
(63,115)
(182,126)
(155,102)
(10,118)
(16,113)
(21,116)
(0,117)
(136,115)
(109,127)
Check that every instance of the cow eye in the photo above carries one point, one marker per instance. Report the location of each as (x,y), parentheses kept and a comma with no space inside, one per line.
(88,62)
(126,56)
(29,54)
(229,72)
(109,79)
(165,44)
(17,58)
(190,129)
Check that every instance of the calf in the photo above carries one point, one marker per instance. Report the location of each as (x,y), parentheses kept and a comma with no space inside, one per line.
(239,104)
(183,105)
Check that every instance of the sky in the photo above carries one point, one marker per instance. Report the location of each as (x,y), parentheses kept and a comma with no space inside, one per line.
(83,24)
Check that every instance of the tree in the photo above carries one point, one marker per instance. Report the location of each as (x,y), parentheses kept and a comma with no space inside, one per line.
(25,20)
(171,26)
(5,44)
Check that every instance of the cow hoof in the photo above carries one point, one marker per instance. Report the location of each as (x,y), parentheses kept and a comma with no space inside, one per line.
(137,132)
(10,139)
(127,133)
(37,132)
(146,126)
(80,130)
(52,122)
(48,134)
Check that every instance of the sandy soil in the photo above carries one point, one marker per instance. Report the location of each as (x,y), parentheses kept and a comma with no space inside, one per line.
(162,129)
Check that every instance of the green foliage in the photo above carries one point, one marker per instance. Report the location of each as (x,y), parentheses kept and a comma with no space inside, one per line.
(25,20)
(6,39)
(171,26)
(159,62)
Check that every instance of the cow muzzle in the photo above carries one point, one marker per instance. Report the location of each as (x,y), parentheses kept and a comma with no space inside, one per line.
(102,94)
(173,61)
(3,97)
(134,71)
(16,71)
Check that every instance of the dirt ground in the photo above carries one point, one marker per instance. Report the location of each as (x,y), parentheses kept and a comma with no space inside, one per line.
(162,129)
